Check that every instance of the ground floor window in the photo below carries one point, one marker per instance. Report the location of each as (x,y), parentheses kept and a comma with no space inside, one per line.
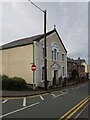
(63,71)
(43,75)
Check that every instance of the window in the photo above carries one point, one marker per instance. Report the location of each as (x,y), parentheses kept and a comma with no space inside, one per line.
(52,55)
(55,54)
(63,71)
(62,57)
(43,75)
(43,52)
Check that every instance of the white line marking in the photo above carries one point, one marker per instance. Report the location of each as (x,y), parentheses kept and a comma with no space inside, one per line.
(60,95)
(19,110)
(61,92)
(82,111)
(24,101)
(75,88)
(41,97)
(4,101)
(53,95)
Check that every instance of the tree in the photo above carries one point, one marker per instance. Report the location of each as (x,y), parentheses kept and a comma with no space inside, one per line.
(74,73)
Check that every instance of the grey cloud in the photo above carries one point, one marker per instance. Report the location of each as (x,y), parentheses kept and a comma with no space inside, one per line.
(71,19)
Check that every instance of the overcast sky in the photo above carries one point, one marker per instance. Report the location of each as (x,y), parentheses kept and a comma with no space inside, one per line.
(22,19)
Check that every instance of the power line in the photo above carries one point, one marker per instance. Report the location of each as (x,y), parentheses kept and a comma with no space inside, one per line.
(37,6)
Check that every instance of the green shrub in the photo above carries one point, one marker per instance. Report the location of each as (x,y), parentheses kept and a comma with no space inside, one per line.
(18,83)
(0,82)
(5,82)
(15,83)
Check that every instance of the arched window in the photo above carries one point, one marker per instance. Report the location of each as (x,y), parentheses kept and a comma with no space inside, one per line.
(62,57)
(55,51)
(52,55)
(55,54)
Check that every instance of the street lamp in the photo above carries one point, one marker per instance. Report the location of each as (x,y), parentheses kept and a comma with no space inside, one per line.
(45,50)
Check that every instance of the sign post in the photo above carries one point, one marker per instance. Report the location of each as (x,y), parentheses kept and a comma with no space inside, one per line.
(33,68)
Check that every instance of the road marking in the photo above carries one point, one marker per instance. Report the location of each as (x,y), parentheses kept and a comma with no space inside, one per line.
(4,101)
(78,108)
(41,97)
(60,95)
(24,101)
(53,95)
(61,92)
(82,111)
(19,109)
(75,88)
(73,108)
(55,91)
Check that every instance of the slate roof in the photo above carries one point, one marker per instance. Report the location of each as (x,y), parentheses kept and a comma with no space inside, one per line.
(29,40)
(71,60)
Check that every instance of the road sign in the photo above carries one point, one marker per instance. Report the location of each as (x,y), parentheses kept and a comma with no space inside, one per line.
(33,67)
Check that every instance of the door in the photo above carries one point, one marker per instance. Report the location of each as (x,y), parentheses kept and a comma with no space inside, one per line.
(55,77)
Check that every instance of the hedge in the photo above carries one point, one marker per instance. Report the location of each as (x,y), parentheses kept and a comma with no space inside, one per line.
(15,83)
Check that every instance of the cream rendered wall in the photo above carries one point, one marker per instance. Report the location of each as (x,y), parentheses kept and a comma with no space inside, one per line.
(52,38)
(16,62)
(86,66)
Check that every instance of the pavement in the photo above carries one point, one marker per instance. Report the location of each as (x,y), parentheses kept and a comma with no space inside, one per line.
(5,93)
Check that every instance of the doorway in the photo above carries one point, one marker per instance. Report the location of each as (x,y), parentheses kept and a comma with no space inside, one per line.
(55,76)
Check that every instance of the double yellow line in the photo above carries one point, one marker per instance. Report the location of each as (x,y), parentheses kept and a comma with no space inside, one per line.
(72,111)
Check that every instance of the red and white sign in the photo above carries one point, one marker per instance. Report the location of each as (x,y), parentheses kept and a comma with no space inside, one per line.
(33,67)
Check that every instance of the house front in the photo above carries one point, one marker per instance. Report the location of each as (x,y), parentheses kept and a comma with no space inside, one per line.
(18,56)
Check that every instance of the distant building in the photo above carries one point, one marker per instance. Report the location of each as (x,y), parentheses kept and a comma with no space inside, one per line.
(75,64)
(86,66)
(89,71)
(80,66)
(71,64)
(18,56)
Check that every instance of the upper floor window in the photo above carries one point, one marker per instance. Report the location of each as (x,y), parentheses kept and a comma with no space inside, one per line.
(62,57)
(55,54)
(43,52)
(52,55)
(55,51)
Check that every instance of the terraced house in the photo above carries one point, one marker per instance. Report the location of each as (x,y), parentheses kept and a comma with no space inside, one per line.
(18,57)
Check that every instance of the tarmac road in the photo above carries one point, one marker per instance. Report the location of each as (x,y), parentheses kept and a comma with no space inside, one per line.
(59,104)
